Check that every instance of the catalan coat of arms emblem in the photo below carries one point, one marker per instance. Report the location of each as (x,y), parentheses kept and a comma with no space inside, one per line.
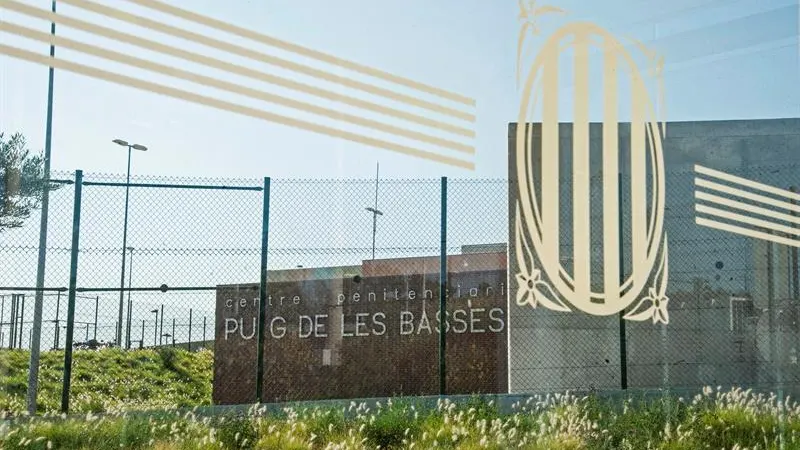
(538,234)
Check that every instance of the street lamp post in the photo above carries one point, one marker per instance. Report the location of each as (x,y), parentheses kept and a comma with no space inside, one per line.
(130,304)
(155,328)
(125,232)
(375,211)
(167,335)
(33,367)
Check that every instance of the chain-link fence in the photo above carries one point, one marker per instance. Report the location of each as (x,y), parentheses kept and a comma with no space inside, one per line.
(731,273)
(149,258)
(352,294)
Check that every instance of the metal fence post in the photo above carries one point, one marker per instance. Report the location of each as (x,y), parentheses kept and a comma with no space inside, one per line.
(161,327)
(73,279)
(57,337)
(17,321)
(262,294)
(12,322)
(443,290)
(128,323)
(96,304)
(21,322)
(190,329)
(2,315)
(623,343)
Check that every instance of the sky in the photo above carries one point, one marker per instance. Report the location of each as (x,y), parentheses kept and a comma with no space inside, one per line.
(725,59)
(712,49)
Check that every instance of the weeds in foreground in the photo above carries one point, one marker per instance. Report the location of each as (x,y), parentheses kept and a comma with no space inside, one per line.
(735,419)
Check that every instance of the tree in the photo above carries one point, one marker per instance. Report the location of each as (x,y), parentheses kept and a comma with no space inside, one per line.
(22,181)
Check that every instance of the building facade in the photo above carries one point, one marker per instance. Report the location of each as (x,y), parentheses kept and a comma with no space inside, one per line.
(731,297)
(372,329)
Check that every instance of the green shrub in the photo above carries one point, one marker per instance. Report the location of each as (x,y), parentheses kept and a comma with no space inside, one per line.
(389,425)
(326,424)
(237,432)
(168,357)
(483,409)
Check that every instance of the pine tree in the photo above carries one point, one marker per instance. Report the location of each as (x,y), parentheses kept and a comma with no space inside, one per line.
(22,181)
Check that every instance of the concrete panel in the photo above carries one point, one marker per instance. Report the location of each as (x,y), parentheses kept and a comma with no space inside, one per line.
(708,341)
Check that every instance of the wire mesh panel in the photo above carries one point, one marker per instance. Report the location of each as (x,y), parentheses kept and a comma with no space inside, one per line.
(733,296)
(477,313)
(352,299)
(150,258)
(338,322)
(728,314)
(19,248)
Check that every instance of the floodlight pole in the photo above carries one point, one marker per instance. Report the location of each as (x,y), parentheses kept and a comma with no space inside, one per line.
(36,331)
(125,234)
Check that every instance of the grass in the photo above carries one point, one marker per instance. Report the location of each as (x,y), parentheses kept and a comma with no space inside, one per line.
(109,380)
(734,419)
(108,384)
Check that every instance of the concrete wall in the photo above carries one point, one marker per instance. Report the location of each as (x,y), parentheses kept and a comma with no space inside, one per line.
(556,351)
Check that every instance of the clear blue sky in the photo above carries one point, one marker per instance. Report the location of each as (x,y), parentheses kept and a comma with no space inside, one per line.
(735,59)
(725,60)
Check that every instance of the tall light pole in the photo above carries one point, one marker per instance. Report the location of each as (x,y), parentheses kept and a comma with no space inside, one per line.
(125,233)
(130,304)
(33,367)
(375,211)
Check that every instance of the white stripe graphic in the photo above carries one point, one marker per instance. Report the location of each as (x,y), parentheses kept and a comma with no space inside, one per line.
(782,229)
(611,186)
(442,145)
(580,173)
